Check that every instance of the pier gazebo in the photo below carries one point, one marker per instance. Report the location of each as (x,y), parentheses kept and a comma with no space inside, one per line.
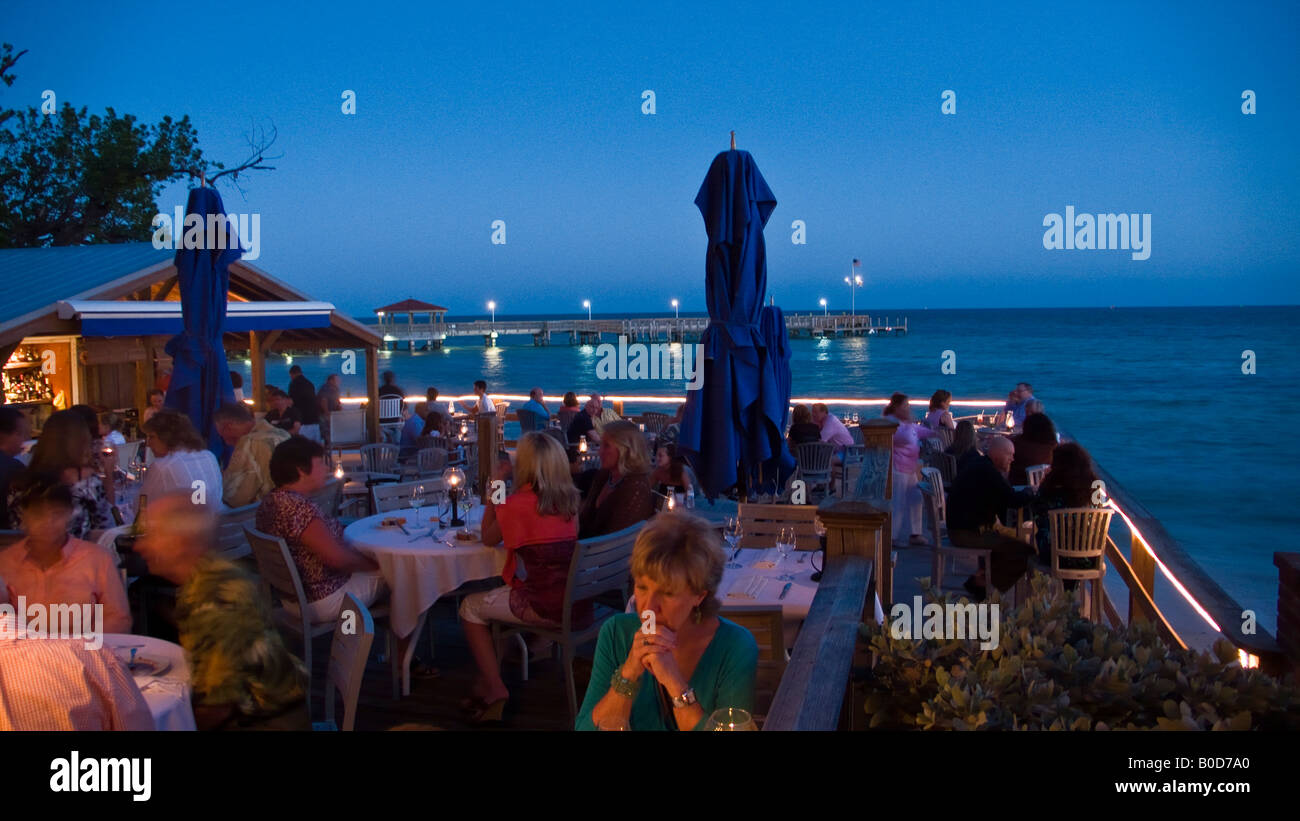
(431,333)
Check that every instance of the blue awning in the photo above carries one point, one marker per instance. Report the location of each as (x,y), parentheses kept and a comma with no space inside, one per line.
(127,318)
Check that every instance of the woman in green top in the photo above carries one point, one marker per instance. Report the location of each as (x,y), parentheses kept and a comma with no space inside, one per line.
(673,672)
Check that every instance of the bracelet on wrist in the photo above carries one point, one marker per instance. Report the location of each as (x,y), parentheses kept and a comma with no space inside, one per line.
(624,687)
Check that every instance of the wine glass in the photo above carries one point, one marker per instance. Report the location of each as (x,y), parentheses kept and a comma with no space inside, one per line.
(731,532)
(785,542)
(467,504)
(730,719)
(444,507)
(417,502)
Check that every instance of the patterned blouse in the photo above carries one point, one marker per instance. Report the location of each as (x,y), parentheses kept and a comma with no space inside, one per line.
(236,656)
(286,513)
(91,508)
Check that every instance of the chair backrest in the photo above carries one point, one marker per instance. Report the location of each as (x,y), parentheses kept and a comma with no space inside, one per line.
(430,460)
(275,566)
(767,625)
(600,564)
(566,416)
(654,421)
(558,435)
(935,478)
(347,427)
(815,457)
(126,453)
(329,497)
(529,421)
(856,433)
(1034,475)
(947,467)
(761,525)
(349,651)
(1078,533)
(379,458)
(397,496)
(231,542)
(390,409)
(932,517)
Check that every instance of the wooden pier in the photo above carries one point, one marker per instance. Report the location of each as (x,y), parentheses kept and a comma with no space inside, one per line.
(424,335)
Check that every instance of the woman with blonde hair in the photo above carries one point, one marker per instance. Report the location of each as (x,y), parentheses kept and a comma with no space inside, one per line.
(538,523)
(691,662)
(620,494)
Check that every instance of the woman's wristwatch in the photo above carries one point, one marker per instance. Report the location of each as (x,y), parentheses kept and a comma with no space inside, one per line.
(686,699)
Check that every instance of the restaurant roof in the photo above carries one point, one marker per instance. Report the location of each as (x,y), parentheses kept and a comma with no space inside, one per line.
(410,306)
(38,279)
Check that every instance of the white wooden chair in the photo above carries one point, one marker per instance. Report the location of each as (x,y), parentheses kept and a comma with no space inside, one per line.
(935,478)
(1034,475)
(814,459)
(276,567)
(761,525)
(943,549)
(1079,533)
(599,565)
(380,460)
(353,636)
(232,543)
(391,497)
(390,415)
(654,421)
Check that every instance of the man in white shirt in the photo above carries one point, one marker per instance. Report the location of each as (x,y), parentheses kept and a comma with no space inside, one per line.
(832,428)
(483,404)
(184,463)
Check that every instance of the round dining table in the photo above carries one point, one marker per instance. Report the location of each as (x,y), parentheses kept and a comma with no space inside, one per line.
(168,693)
(421,564)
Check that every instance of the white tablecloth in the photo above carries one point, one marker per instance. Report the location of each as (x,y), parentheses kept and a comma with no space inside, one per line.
(420,572)
(168,695)
(745,585)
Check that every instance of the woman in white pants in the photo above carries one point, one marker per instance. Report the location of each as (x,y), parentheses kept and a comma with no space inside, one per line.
(906,512)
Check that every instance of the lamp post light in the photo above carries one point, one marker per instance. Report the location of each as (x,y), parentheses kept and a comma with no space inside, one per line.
(676,313)
(586,303)
(825,310)
(492,306)
(856,281)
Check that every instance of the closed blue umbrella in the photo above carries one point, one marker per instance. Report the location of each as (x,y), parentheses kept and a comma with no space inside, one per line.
(771,474)
(200,376)
(734,416)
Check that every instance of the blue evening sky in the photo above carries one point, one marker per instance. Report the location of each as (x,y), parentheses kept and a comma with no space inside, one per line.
(531,113)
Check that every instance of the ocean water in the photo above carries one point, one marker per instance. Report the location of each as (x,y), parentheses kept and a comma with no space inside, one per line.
(1157,395)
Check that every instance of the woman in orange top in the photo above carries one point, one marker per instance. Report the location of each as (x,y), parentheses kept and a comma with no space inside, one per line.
(539,522)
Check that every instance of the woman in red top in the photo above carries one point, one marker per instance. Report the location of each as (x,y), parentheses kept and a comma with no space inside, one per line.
(539,524)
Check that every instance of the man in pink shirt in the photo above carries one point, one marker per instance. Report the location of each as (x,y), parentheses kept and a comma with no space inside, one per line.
(50,568)
(833,429)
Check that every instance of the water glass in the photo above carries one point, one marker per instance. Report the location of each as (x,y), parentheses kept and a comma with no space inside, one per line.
(417,502)
(785,542)
(730,719)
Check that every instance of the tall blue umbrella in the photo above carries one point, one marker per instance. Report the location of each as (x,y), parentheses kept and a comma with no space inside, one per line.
(733,417)
(771,474)
(200,376)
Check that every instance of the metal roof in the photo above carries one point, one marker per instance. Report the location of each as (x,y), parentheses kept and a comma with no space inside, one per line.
(33,279)
(410,306)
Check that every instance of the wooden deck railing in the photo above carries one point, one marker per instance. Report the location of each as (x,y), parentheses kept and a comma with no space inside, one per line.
(811,694)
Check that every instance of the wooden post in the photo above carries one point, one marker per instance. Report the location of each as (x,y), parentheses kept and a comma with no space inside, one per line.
(1144,569)
(878,437)
(372,392)
(858,528)
(618,407)
(258,361)
(487,449)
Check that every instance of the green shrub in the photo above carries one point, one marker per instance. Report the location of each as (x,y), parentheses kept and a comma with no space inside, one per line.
(1053,670)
